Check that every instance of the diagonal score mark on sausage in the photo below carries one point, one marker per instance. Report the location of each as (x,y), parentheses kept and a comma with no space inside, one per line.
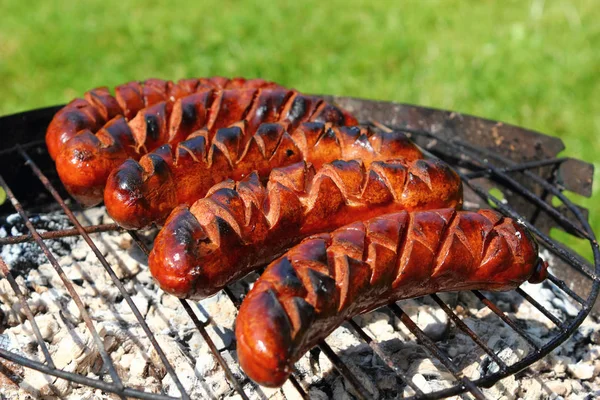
(152,113)
(311,290)
(196,164)
(265,220)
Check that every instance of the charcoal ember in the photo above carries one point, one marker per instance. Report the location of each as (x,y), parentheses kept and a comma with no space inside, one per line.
(317,394)
(23,257)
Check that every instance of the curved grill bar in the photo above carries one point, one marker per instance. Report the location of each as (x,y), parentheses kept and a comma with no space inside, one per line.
(107,267)
(69,286)
(480,162)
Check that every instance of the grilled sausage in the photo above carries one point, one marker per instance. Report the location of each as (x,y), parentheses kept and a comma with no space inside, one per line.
(311,290)
(84,163)
(138,194)
(98,106)
(238,227)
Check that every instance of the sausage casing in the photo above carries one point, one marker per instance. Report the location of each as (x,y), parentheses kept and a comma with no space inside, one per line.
(311,290)
(98,106)
(139,194)
(238,227)
(157,113)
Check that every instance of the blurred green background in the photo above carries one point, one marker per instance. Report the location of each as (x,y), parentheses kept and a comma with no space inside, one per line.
(531,63)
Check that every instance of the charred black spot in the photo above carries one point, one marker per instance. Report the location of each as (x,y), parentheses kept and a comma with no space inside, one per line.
(130,183)
(353,131)
(152,127)
(225,196)
(77,118)
(188,113)
(330,134)
(289,152)
(82,155)
(161,168)
(332,114)
(183,232)
(196,144)
(229,135)
(313,126)
(322,285)
(285,273)
(130,177)
(304,311)
(270,129)
(299,108)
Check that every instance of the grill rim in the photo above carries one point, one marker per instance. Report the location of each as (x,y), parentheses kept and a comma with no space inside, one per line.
(464,383)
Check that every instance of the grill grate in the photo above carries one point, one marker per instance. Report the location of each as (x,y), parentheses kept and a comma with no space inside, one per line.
(473,163)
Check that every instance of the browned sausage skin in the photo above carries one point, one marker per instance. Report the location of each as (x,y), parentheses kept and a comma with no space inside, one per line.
(138,194)
(99,106)
(307,293)
(160,112)
(238,227)
(156,111)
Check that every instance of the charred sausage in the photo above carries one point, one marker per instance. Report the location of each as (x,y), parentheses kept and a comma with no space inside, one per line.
(99,106)
(307,293)
(138,194)
(238,227)
(85,162)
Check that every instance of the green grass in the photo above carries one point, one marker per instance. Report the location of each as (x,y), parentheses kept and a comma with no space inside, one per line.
(534,64)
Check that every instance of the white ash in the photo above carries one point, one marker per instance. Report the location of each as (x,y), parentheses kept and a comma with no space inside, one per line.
(570,372)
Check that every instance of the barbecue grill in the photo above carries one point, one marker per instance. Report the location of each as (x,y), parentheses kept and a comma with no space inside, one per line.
(512,169)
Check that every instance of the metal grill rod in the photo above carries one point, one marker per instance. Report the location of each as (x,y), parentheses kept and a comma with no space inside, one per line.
(529,195)
(374,344)
(435,351)
(68,285)
(559,338)
(60,234)
(565,288)
(136,312)
(83,380)
(540,308)
(516,168)
(520,167)
(462,326)
(542,182)
(199,326)
(212,347)
(27,310)
(490,379)
(362,393)
(28,145)
(550,243)
(506,319)
(553,212)
(237,303)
